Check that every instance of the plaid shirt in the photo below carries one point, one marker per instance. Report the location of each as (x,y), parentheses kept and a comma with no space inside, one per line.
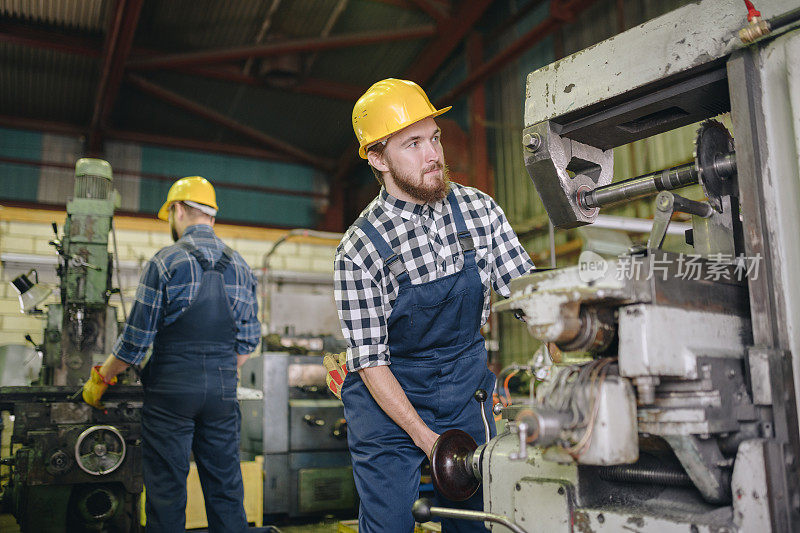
(169,284)
(425,238)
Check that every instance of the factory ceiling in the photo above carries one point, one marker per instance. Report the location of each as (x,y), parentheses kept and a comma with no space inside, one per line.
(267,78)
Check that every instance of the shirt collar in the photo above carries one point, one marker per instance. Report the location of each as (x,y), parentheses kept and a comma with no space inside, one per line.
(199,229)
(408,209)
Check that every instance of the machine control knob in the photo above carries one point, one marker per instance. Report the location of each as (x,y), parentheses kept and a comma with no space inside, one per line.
(339,430)
(480,395)
(313,421)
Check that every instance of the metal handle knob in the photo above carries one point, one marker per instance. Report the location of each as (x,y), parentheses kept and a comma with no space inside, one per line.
(480,396)
(423,512)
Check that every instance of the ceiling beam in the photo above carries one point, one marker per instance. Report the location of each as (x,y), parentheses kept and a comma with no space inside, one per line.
(119,41)
(211,115)
(313,86)
(92,48)
(560,15)
(435,10)
(74,130)
(284,47)
(26,36)
(449,36)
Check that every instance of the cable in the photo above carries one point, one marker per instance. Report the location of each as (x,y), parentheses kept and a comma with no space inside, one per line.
(118,269)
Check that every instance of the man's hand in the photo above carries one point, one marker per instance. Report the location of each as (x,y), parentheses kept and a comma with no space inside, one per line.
(426,442)
(335,364)
(95,387)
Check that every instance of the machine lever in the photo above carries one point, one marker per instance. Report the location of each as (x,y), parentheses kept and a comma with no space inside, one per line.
(522,429)
(480,396)
(423,511)
(668,203)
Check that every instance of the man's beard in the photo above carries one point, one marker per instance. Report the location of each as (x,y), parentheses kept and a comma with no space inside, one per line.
(174,232)
(424,193)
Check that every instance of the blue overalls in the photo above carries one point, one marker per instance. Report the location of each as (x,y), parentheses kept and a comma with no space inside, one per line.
(439,359)
(190,405)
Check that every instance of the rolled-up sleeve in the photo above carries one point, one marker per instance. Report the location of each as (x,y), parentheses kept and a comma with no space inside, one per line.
(359,301)
(509,258)
(146,313)
(248,331)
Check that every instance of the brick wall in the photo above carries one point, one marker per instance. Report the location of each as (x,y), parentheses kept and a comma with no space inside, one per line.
(29,231)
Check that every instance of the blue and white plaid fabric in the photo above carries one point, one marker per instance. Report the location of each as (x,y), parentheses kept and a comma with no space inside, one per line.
(169,284)
(425,238)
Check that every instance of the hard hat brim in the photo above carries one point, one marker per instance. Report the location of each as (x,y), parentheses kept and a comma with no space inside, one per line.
(362,150)
(163,213)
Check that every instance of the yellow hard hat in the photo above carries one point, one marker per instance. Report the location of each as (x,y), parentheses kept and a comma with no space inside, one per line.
(386,108)
(192,189)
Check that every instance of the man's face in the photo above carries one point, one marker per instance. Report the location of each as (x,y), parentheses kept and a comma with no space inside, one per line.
(416,161)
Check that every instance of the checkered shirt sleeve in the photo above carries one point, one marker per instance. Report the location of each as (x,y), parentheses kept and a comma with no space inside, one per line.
(425,237)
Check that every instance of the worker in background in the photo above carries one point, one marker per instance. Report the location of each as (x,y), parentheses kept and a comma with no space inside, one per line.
(412,282)
(196,304)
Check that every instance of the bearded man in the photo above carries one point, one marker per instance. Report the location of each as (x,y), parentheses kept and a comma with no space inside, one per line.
(412,284)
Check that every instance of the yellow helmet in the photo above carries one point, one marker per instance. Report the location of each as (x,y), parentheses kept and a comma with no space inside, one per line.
(386,108)
(192,189)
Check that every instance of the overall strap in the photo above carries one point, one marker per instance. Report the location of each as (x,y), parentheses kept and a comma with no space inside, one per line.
(464,237)
(204,264)
(224,260)
(220,266)
(390,258)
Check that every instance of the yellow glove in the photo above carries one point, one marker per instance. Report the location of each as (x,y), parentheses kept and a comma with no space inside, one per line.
(95,387)
(335,364)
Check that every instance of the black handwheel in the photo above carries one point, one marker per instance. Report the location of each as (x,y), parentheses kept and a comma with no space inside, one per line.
(449,457)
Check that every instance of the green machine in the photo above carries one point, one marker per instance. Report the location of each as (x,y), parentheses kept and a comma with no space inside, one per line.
(75,468)
(88,325)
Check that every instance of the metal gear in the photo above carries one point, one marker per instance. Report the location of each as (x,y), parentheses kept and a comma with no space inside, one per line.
(712,142)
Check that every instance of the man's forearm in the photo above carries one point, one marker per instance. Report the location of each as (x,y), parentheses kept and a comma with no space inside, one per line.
(112,367)
(387,392)
(240,359)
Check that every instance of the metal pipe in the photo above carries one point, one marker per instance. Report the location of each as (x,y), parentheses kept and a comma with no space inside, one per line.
(640,186)
(476,516)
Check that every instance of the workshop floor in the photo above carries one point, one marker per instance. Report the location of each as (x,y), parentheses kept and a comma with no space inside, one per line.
(9,525)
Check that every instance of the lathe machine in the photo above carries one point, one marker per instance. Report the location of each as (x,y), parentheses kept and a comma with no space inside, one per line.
(683,414)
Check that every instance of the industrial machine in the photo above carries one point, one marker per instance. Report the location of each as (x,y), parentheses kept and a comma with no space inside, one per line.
(682,415)
(298,427)
(76,468)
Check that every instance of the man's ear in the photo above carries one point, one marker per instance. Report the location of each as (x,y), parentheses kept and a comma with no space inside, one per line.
(377,161)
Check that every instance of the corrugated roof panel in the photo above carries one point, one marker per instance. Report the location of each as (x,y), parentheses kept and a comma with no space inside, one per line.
(46,84)
(303,18)
(187,25)
(78,14)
